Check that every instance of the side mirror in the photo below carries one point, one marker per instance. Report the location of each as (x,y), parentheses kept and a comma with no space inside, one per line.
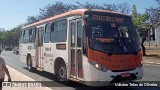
(86,19)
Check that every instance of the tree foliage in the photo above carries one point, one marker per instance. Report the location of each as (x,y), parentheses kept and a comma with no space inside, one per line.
(147,21)
(140,23)
(154,15)
(10,37)
(140,20)
(59,7)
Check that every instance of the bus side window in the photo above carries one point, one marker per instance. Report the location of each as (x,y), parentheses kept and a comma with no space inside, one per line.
(59,33)
(33,36)
(26,36)
(47,33)
(53,27)
(52,31)
(23,33)
(20,35)
(30,35)
(84,42)
(79,32)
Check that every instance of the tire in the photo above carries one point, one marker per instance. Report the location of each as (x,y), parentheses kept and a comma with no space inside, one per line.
(16,52)
(29,64)
(62,73)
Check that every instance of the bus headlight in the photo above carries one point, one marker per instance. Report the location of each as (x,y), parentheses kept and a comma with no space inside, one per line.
(98,66)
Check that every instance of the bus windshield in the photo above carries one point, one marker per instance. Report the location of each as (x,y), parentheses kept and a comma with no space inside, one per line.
(112,37)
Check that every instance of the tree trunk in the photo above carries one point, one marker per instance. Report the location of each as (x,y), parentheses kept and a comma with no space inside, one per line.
(143,47)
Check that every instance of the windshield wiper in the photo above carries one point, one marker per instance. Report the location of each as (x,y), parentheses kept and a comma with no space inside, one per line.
(124,41)
(111,50)
(121,44)
(130,46)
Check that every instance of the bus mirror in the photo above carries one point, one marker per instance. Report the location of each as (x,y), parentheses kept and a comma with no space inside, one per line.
(85,30)
(85,17)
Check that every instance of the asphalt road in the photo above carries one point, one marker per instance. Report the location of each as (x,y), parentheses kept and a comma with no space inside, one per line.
(151,73)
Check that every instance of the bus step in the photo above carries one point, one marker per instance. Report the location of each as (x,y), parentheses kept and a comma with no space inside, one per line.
(39,69)
(74,79)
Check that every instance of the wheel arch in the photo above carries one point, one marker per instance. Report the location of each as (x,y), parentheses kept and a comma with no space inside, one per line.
(27,56)
(58,61)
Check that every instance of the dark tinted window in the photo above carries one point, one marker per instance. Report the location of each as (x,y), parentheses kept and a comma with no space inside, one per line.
(21,37)
(112,33)
(79,33)
(33,35)
(72,34)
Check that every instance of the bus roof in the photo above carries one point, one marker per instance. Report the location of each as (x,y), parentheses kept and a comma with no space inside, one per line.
(73,12)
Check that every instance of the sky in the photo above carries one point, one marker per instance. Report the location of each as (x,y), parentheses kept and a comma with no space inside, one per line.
(15,12)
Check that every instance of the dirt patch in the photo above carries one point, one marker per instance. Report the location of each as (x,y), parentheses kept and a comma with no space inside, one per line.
(153,53)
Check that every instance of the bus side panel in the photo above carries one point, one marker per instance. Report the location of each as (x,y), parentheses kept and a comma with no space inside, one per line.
(31,51)
(23,52)
(51,53)
(94,73)
(26,49)
(86,69)
(48,57)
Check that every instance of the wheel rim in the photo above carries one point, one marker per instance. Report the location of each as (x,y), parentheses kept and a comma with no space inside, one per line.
(62,73)
(29,64)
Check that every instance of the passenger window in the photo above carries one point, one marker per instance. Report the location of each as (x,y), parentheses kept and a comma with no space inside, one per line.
(47,33)
(59,31)
(79,32)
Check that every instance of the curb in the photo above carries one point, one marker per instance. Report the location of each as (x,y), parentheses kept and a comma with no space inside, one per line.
(148,62)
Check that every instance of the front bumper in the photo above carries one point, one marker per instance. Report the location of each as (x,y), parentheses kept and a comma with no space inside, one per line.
(99,78)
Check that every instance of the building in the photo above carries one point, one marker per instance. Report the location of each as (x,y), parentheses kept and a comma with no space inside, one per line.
(157,35)
(153,38)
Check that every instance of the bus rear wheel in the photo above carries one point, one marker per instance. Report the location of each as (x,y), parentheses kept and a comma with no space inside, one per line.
(29,64)
(62,73)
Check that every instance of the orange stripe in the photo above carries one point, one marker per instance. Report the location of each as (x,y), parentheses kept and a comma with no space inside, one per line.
(73,12)
(79,11)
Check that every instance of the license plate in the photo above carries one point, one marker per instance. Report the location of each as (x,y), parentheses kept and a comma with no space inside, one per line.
(124,75)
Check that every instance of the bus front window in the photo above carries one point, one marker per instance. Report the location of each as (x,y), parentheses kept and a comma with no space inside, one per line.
(113,38)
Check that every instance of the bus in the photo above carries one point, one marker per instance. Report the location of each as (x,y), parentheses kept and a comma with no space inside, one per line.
(84,45)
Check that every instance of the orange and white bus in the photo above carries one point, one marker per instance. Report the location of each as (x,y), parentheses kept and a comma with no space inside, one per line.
(84,45)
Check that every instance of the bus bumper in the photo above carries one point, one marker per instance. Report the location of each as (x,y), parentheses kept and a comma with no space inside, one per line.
(99,78)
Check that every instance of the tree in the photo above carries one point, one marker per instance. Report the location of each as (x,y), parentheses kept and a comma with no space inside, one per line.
(140,23)
(32,19)
(59,7)
(51,10)
(145,22)
(10,38)
(154,15)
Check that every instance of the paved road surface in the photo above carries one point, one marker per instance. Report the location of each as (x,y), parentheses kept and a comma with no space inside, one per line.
(151,73)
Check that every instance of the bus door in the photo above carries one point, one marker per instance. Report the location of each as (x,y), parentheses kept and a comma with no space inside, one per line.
(39,48)
(76,48)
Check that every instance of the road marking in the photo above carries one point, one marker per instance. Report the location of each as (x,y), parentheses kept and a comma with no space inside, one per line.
(155,65)
(152,62)
(148,62)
